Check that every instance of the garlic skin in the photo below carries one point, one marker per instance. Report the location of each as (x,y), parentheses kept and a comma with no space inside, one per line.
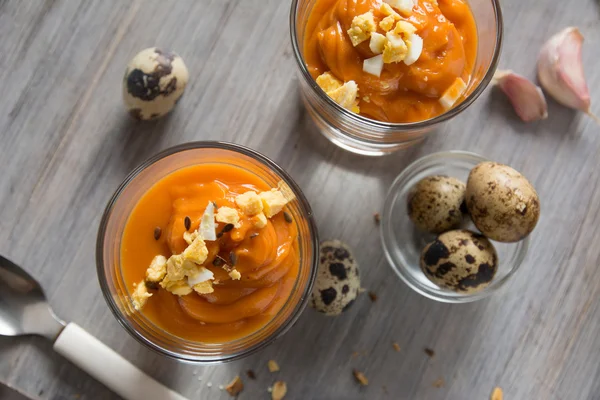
(560,70)
(526,98)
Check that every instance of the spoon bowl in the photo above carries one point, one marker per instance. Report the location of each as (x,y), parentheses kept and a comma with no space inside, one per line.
(23,306)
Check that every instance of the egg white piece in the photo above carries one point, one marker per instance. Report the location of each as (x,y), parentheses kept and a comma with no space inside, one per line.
(207,223)
(453,93)
(415,48)
(404,6)
(373,65)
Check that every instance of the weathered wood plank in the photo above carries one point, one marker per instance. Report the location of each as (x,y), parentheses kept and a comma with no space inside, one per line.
(67,143)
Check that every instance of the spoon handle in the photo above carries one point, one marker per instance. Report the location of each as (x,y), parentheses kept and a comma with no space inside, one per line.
(108,367)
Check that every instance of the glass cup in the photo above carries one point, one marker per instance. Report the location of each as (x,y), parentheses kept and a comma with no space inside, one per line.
(403,242)
(113,223)
(366,136)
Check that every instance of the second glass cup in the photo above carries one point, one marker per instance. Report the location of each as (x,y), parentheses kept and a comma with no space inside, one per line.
(366,136)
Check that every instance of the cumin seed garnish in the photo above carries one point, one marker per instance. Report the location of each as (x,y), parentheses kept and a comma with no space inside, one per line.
(253,235)
(287,217)
(187,222)
(233,258)
(157,233)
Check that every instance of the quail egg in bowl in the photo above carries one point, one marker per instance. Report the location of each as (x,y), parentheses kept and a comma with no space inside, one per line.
(449,278)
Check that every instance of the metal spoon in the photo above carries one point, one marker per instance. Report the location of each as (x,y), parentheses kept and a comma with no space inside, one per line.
(25,311)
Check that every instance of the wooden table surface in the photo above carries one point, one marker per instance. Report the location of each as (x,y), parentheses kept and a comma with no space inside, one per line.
(66,143)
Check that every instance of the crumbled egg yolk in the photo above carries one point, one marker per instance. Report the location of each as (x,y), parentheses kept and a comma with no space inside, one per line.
(361,28)
(273,202)
(205,287)
(157,269)
(328,82)
(387,23)
(395,48)
(404,29)
(250,203)
(387,10)
(228,215)
(235,274)
(345,94)
(140,295)
(259,220)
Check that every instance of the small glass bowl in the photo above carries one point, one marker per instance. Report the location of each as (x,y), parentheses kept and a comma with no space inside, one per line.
(403,242)
(366,136)
(112,225)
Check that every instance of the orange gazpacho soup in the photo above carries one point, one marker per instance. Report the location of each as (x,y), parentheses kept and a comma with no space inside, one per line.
(210,254)
(393,60)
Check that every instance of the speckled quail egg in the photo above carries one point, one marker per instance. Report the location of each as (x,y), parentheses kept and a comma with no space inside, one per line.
(460,260)
(436,203)
(153,83)
(338,282)
(502,203)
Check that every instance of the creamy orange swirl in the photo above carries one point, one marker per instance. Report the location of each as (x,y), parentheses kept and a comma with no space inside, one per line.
(402,93)
(267,258)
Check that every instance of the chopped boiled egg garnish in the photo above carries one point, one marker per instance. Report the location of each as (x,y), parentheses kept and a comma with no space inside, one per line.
(207,224)
(140,295)
(453,93)
(395,49)
(404,29)
(189,237)
(235,274)
(387,10)
(387,23)
(228,215)
(157,269)
(182,274)
(377,43)
(203,274)
(259,220)
(179,287)
(373,65)
(205,287)
(328,82)
(249,203)
(361,28)
(415,48)
(345,95)
(196,252)
(404,6)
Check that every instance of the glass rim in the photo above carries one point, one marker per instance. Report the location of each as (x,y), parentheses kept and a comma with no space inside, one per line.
(447,115)
(285,325)
(400,268)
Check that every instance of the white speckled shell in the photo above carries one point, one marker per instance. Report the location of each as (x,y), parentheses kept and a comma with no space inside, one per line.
(169,87)
(338,281)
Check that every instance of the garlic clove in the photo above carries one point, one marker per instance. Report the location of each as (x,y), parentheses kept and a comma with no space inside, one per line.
(560,70)
(526,98)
